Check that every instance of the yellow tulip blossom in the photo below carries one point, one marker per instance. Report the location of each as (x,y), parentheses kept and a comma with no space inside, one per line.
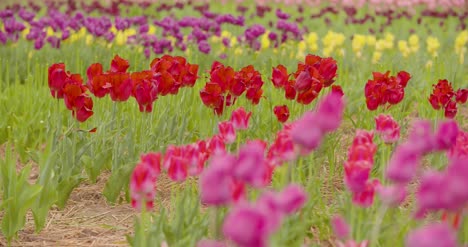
(152,29)
(371,40)
(432,45)
(413,42)
(89,39)
(376,57)
(311,40)
(265,41)
(380,45)
(233,42)
(49,31)
(120,38)
(404,48)
(226,34)
(460,43)
(215,39)
(332,41)
(358,43)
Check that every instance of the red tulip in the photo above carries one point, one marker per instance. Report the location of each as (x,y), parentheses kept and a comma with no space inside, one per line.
(282,113)
(119,64)
(385,89)
(57,78)
(279,76)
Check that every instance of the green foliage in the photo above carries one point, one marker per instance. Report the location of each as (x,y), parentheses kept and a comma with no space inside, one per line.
(18,194)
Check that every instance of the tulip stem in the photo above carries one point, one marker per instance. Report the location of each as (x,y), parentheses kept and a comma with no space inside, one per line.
(216,225)
(143,223)
(289,173)
(375,230)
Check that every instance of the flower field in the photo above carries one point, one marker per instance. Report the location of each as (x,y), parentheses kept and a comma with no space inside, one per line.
(234,123)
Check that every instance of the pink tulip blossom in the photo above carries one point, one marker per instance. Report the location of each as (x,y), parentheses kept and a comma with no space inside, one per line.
(388,128)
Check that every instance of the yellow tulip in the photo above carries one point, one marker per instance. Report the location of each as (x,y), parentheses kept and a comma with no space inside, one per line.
(414,42)
(432,45)
(376,57)
(302,46)
(403,47)
(233,42)
(120,39)
(371,40)
(461,41)
(152,29)
(89,39)
(380,45)
(265,42)
(226,34)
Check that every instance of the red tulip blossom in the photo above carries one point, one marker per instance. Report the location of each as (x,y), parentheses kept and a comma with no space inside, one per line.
(308,80)
(226,85)
(337,89)
(70,87)
(252,80)
(119,64)
(116,81)
(384,89)
(57,77)
(279,76)
(76,99)
(282,113)
(98,83)
(144,90)
(183,73)
(444,96)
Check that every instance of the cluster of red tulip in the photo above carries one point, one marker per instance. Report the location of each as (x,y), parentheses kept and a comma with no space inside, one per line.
(226,85)
(166,76)
(443,96)
(70,87)
(383,89)
(309,79)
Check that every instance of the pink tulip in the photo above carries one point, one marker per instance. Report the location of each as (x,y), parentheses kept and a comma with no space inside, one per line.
(240,119)
(227,132)
(460,149)
(340,227)
(446,135)
(388,128)
(154,162)
(392,195)
(216,180)
(435,235)
(366,198)
(292,198)
(251,165)
(404,163)
(330,112)
(247,226)
(142,186)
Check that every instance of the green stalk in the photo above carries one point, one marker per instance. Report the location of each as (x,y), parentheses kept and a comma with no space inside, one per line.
(375,230)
